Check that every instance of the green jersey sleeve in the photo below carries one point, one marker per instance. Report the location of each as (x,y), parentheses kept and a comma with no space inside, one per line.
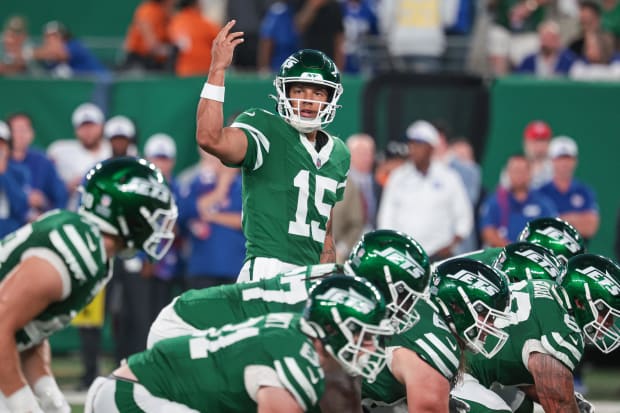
(539,322)
(74,247)
(431,340)
(255,123)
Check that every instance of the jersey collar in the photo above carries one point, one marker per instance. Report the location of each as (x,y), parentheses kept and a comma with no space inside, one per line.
(318,158)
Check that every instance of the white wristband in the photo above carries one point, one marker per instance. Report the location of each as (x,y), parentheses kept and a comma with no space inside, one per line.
(22,401)
(212,92)
(50,396)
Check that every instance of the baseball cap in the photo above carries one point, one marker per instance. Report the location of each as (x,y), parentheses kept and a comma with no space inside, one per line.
(160,145)
(537,130)
(5,133)
(423,131)
(54,26)
(119,126)
(86,112)
(562,146)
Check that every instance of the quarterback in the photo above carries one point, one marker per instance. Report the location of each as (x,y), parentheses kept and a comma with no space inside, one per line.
(52,268)
(272,363)
(293,171)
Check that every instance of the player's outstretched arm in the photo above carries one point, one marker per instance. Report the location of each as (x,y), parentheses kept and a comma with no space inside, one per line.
(228,144)
(553,382)
(24,294)
(276,400)
(427,390)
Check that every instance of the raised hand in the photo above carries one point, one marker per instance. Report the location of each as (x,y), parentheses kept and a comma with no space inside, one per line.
(223,47)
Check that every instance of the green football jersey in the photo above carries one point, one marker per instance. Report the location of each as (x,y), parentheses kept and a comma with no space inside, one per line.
(74,246)
(539,323)
(431,340)
(233,303)
(288,188)
(221,370)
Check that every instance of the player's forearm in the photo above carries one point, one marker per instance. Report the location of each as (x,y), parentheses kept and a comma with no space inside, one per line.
(554,384)
(11,376)
(210,118)
(329,247)
(36,362)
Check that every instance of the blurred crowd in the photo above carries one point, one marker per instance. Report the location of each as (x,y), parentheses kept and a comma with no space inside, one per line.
(576,38)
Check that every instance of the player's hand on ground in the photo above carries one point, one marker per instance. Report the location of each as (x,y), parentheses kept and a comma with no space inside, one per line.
(224,46)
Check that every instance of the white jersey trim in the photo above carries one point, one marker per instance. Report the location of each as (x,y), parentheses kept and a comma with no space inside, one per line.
(82,248)
(531,346)
(256,376)
(435,358)
(470,389)
(55,261)
(259,137)
(288,386)
(443,349)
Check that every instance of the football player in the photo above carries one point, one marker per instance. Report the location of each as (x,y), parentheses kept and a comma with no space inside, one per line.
(549,323)
(558,236)
(293,171)
(467,298)
(270,364)
(394,262)
(52,268)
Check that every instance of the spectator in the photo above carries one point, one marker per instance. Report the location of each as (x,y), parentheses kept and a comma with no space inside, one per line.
(248,15)
(359,21)
(192,34)
(349,221)
(362,148)
(121,133)
(163,275)
(506,212)
(414,32)
(426,199)
(574,200)
(601,62)
(73,158)
(394,155)
(320,24)
(147,45)
(13,187)
(65,56)
(47,190)
(15,47)
(536,138)
(590,22)
(278,36)
(512,36)
(210,213)
(551,59)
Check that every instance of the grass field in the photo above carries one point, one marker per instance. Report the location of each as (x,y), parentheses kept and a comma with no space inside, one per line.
(603,384)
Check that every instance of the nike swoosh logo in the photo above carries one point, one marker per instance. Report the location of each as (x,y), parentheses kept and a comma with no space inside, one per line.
(453,345)
(250,113)
(91,245)
(574,340)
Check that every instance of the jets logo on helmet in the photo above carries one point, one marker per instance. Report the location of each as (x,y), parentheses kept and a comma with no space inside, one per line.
(477,281)
(540,260)
(404,261)
(350,298)
(604,279)
(554,233)
(150,187)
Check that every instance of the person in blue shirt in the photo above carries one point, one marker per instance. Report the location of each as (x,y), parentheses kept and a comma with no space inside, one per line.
(359,20)
(551,59)
(506,212)
(278,36)
(47,190)
(65,56)
(210,217)
(13,187)
(574,200)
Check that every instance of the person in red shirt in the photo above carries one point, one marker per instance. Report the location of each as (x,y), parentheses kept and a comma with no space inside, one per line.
(192,34)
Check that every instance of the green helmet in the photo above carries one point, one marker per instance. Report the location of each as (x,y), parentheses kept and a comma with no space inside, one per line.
(308,66)
(129,197)
(398,266)
(472,297)
(526,261)
(557,235)
(347,313)
(592,283)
